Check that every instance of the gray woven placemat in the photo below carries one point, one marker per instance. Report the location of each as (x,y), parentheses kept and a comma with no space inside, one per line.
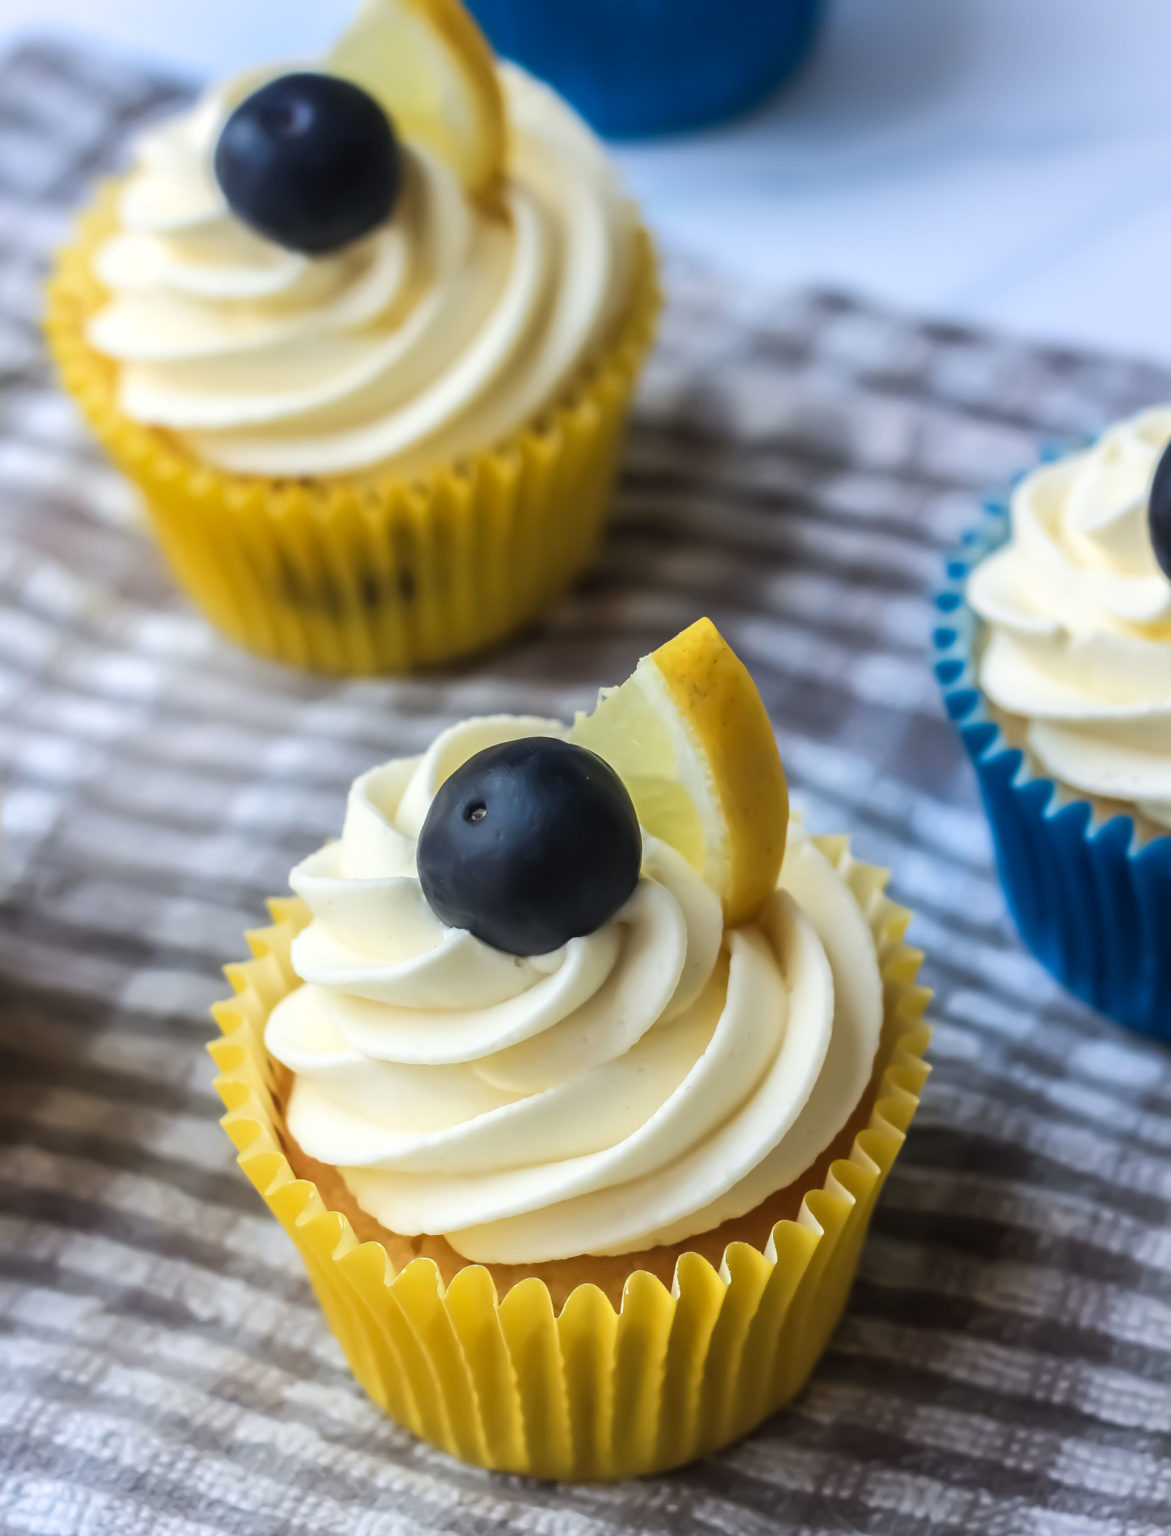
(797,468)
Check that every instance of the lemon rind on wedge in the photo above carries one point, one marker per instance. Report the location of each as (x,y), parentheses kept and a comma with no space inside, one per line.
(434,72)
(691,738)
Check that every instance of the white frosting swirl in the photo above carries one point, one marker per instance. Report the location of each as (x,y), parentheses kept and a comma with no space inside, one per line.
(1079,620)
(445,330)
(638,1085)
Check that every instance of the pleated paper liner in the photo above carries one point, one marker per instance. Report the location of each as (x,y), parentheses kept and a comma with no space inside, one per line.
(659,66)
(1089,891)
(369,573)
(617,1379)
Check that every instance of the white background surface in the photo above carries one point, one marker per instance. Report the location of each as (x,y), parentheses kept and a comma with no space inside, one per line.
(1006,161)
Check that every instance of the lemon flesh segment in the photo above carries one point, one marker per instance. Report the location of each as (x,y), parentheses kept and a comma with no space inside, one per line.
(690,736)
(431,68)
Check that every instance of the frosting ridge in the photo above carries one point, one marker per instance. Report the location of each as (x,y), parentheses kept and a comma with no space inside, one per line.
(1079,620)
(645,1082)
(444,330)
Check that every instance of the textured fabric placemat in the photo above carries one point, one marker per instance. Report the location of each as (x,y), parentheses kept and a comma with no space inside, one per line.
(797,469)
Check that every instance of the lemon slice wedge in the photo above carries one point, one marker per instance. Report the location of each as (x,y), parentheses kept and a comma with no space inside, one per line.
(430,66)
(690,736)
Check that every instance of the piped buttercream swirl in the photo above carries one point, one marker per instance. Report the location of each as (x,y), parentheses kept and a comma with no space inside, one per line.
(1079,621)
(443,331)
(638,1085)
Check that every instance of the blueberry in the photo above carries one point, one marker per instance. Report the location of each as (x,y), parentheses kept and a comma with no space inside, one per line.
(309,161)
(1159,511)
(529,844)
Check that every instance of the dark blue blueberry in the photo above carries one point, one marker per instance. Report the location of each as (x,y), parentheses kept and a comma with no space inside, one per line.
(529,844)
(1159,511)
(309,161)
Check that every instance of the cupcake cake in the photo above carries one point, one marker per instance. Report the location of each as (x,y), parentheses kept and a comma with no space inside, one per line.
(364,334)
(1057,668)
(574,1069)
(660,66)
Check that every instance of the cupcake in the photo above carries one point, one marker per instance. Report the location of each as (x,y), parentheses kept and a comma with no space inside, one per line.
(658,66)
(573,1071)
(1055,659)
(364,335)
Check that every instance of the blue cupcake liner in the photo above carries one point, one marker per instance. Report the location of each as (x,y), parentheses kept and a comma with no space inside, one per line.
(640,67)
(1091,901)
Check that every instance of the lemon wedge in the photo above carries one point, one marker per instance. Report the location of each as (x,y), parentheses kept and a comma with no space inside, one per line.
(689,734)
(432,69)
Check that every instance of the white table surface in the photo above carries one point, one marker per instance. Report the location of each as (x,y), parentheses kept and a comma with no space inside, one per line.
(1003,161)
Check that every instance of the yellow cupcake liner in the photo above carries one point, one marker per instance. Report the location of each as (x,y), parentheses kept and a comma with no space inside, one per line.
(370,572)
(591,1391)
